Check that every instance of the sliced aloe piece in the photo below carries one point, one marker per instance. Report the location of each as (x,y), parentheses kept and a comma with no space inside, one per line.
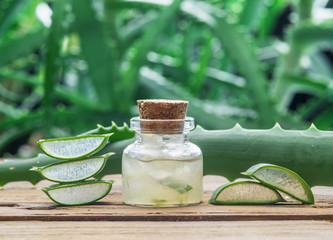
(245,192)
(283,180)
(78,193)
(178,185)
(71,171)
(74,147)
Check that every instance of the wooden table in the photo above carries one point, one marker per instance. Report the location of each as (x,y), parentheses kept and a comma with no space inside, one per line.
(27,213)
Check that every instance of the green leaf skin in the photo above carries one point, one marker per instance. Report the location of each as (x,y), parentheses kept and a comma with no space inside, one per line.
(68,140)
(226,153)
(21,46)
(73,185)
(251,172)
(119,133)
(9,10)
(95,49)
(307,152)
(18,170)
(55,166)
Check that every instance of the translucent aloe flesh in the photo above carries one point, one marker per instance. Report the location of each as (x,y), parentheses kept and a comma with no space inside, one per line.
(73,147)
(245,192)
(282,179)
(226,153)
(72,171)
(78,193)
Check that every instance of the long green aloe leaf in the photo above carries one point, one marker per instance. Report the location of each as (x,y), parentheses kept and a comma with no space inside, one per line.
(313,33)
(129,33)
(95,50)
(249,16)
(52,66)
(21,46)
(9,9)
(226,152)
(61,92)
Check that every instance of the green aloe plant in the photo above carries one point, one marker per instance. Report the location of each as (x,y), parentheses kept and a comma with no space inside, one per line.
(86,70)
(226,152)
(98,56)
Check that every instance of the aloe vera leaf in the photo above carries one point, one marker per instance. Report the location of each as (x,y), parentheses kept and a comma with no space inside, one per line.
(61,92)
(52,66)
(119,133)
(233,41)
(19,47)
(134,28)
(249,14)
(96,51)
(304,9)
(213,74)
(198,77)
(321,65)
(225,78)
(289,64)
(310,33)
(226,153)
(10,95)
(272,14)
(73,171)
(245,192)
(299,37)
(316,85)
(8,11)
(282,179)
(9,135)
(78,193)
(11,111)
(17,170)
(177,185)
(72,148)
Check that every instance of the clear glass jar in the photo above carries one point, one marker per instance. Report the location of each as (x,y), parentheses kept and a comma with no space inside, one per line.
(162,168)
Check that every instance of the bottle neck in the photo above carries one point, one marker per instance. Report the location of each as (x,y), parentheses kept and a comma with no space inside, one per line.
(161,139)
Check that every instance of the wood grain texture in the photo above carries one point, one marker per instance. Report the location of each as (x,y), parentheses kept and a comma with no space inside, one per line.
(20,202)
(254,230)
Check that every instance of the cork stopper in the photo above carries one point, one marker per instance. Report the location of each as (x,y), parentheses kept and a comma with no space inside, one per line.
(162,116)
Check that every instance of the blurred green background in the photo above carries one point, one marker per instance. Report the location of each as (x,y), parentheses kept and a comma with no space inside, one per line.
(67,65)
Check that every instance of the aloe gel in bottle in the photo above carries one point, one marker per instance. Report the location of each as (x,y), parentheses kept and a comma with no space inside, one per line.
(162,167)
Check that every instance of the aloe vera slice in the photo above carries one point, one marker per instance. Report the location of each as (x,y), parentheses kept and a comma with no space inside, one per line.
(178,185)
(283,180)
(71,171)
(78,193)
(74,147)
(245,192)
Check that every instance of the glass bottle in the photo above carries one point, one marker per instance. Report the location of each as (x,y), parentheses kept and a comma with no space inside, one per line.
(162,168)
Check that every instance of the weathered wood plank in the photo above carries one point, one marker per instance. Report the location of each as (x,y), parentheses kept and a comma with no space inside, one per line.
(295,230)
(20,202)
